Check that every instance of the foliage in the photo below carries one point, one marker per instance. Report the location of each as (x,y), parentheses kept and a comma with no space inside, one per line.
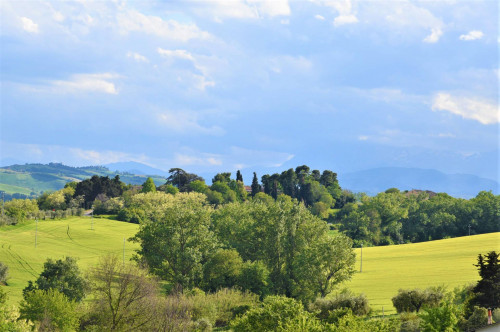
(221,307)
(441,318)
(49,310)
(256,188)
(396,217)
(4,273)
(277,313)
(148,186)
(123,296)
(357,304)
(8,317)
(254,277)
(410,300)
(478,318)
(222,270)
(89,189)
(487,290)
(63,276)
(20,209)
(104,205)
(181,179)
(303,260)
(176,242)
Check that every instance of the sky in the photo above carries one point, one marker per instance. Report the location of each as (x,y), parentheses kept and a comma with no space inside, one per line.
(212,86)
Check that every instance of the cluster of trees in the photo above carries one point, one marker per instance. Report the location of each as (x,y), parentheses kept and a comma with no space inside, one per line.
(119,296)
(265,246)
(398,217)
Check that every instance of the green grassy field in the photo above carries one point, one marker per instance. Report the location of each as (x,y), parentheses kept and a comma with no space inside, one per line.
(385,269)
(25,262)
(445,262)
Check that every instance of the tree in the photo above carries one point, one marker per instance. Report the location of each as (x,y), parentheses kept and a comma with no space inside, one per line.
(255,185)
(63,276)
(123,297)
(148,186)
(176,243)
(222,177)
(443,318)
(413,300)
(487,290)
(277,313)
(239,177)
(181,179)
(222,270)
(49,310)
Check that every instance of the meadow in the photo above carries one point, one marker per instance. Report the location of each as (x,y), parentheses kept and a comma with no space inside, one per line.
(448,262)
(79,237)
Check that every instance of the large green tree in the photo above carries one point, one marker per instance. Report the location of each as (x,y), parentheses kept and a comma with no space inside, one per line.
(175,244)
(148,186)
(63,276)
(487,290)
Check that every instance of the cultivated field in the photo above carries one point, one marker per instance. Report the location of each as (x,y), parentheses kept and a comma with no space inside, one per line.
(385,269)
(420,265)
(57,239)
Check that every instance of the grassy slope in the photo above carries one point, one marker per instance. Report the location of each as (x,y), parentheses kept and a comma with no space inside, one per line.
(35,177)
(9,189)
(445,262)
(25,262)
(385,269)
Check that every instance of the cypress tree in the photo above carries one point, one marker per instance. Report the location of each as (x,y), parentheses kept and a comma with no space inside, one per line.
(255,185)
(239,177)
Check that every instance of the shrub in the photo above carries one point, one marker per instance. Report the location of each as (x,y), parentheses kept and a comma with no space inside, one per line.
(277,313)
(410,300)
(358,304)
(49,310)
(4,273)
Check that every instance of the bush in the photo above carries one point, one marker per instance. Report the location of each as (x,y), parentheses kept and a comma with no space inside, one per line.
(344,300)
(4,273)
(49,310)
(478,318)
(277,313)
(221,307)
(412,300)
(410,322)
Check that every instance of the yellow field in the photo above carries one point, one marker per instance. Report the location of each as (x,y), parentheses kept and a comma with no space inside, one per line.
(57,239)
(444,262)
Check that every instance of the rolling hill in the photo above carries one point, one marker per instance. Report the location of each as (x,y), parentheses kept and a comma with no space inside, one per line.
(33,179)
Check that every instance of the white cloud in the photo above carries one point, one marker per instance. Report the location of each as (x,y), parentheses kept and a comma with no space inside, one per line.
(434,36)
(469,108)
(29,25)
(472,35)
(181,54)
(344,9)
(199,81)
(363,138)
(319,17)
(137,57)
(87,82)
(246,9)
(186,122)
(132,20)
(345,19)
(286,63)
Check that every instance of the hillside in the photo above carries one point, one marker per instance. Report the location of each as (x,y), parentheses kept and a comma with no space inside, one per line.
(33,179)
(385,269)
(373,181)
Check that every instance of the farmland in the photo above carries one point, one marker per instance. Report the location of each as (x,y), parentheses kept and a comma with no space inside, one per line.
(78,237)
(446,262)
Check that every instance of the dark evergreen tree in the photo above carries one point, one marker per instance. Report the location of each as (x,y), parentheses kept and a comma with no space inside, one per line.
(487,290)
(255,185)
(239,177)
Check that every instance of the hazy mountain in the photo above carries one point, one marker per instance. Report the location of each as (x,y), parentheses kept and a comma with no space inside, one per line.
(373,181)
(136,168)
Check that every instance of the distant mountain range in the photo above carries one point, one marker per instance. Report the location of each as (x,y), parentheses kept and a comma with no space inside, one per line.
(373,181)
(32,179)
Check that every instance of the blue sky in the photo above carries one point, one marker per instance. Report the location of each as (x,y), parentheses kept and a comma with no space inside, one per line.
(253,85)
